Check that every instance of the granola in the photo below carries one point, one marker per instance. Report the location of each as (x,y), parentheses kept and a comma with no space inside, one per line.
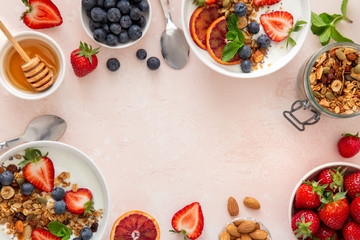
(335,80)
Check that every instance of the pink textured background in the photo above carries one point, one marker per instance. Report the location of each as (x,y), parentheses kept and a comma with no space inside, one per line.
(166,138)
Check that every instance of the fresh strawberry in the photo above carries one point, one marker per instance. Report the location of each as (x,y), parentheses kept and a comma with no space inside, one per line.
(335,213)
(355,210)
(39,170)
(349,145)
(189,221)
(41,14)
(305,223)
(333,178)
(325,233)
(352,185)
(277,24)
(40,234)
(351,231)
(84,59)
(80,201)
(308,195)
(265,2)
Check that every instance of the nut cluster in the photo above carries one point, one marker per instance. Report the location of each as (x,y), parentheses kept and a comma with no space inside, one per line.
(335,80)
(244,230)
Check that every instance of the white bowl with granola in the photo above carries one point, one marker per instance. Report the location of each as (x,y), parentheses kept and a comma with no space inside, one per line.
(54,189)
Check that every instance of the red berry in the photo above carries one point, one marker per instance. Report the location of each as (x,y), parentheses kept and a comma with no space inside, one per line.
(325,233)
(84,60)
(352,185)
(351,231)
(308,195)
(277,24)
(335,213)
(349,145)
(355,210)
(305,223)
(333,178)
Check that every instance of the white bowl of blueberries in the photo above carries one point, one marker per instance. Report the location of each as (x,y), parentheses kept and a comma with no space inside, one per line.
(116,23)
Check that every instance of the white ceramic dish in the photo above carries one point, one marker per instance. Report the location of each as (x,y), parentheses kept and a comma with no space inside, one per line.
(262,226)
(278,56)
(83,171)
(4,48)
(312,175)
(85,23)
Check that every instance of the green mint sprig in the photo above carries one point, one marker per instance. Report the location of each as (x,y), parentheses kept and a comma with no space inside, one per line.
(59,230)
(235,36)
(296,28)
(324,25)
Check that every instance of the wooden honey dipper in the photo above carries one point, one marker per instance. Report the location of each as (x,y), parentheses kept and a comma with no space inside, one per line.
(38,75)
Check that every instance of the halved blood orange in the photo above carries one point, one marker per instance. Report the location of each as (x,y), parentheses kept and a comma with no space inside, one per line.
(216,41)
(135,225)
(200,20)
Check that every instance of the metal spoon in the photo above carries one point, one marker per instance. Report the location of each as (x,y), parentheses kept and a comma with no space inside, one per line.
(47,127)
(174,47)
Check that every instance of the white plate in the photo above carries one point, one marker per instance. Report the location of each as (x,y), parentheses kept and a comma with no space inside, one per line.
(83,172)
(277,57)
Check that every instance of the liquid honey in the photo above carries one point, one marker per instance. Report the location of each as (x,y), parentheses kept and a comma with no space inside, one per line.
(32,47)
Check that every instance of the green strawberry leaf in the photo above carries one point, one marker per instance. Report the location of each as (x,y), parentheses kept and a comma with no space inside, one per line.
(325,37)
(230,50)
(337,36)
(89,207)
(31,155)
(298,25)
(290,41)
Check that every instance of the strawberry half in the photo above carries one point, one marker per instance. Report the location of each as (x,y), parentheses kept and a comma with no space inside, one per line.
(277,24)
(84,60)
(40,234)
(39,170)
(189,221)
(80,201)
(349,145)
(265,2)
(41,14)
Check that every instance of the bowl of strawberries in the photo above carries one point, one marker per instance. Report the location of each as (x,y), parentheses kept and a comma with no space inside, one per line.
(325,203)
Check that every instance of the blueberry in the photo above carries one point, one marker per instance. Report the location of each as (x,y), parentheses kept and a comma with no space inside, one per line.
(113,64)
(244,52)
(134,32)
(111,40)
(98,14)
(109,3)
(153,63)
(94,25)
(106,20)
(124,7)
(141,54)
(59,207)
(136,1)
(99,35)
(106,28)
(144,6)
(88,13)
(125,21)
(240,9)
(113,15)
(6,178)
(100,3)
(263,41)
(141,22)
(253,28)
(135,14)
(86,233)
(115,28)
(77,238)
(246,66)
(123,36)
(58,193)
(27,188)
(88,4)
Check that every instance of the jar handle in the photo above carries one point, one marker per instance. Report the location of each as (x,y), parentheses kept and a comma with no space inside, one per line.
(297,105)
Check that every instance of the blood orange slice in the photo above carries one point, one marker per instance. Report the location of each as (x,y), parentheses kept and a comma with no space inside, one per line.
(135,225)
(200,20)
(216,41)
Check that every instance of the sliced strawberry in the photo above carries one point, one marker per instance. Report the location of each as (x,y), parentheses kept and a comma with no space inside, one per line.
(265,2)
(277,24)
(189,221)
(80,201)
(41,14)
(39,170)
(40,234)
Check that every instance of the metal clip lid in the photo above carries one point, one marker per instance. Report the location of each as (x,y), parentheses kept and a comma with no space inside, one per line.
(298,124)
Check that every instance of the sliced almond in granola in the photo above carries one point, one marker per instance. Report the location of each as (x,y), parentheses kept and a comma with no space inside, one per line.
(258,56)
(336,85)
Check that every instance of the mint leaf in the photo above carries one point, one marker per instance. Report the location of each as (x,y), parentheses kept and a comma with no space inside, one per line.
(230,50)
(337,36)
(290,41)
(241,36)
(298,25)
(318,30)
(59,230)
(231,35)
(89,207)
(317,21)
(344,10)
(232,22)
(325,37)
(327,18)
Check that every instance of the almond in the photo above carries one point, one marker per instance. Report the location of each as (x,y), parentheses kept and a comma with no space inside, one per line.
(258,56)
(224,236)
(259,235)
(246,227)
(238,222)
(245,236)
(232,206)
(232,230)
(257,226)
(251,203)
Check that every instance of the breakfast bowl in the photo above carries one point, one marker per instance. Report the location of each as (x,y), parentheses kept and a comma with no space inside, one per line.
(114,26)
(12,77)
(248,226)
(73,171)
(277,55)
(344,168)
